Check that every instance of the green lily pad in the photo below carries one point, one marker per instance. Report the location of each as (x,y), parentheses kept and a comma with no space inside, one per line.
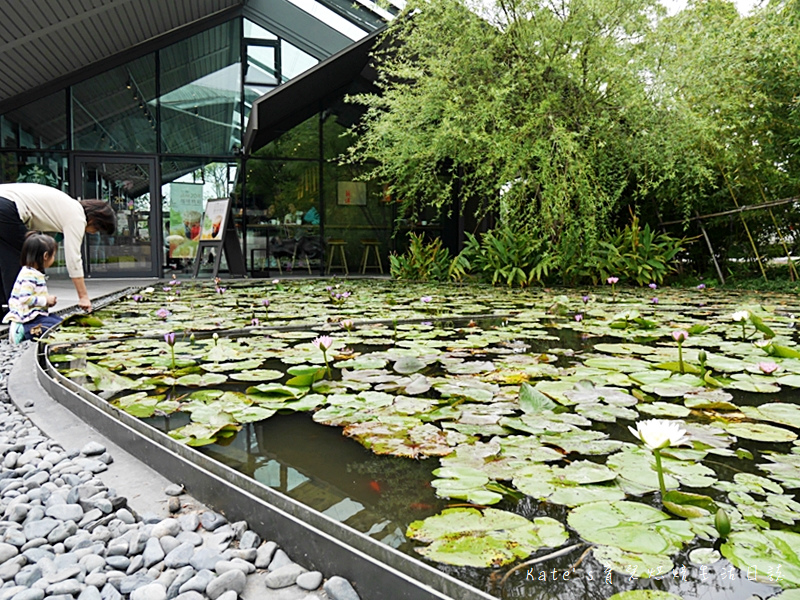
(664,409)
(704,556)
(760,553)
(775,412)
(469,537)
(760,432)
(635,564)
(257,375)
(205,380)
(464,483)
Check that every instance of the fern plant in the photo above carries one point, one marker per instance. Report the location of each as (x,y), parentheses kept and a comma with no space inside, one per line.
(425,262)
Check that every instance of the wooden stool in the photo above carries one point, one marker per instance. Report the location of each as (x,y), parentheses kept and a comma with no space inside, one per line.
(374,245)
(333,244)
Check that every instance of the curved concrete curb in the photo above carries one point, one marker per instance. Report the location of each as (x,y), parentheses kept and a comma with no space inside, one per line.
(321,543)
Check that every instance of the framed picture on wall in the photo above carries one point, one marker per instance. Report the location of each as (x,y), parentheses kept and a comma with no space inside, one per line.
(352,193)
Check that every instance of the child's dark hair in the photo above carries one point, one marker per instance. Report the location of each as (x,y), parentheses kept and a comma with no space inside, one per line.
(34,249)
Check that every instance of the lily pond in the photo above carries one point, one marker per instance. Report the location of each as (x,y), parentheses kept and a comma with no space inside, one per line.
(489,432)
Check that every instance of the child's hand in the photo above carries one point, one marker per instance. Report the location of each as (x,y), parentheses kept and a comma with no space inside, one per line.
(51,300)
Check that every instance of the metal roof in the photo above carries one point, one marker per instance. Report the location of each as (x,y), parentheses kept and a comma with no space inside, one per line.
(47,44)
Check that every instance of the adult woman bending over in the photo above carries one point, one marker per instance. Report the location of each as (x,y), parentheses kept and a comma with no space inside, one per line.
(31,206)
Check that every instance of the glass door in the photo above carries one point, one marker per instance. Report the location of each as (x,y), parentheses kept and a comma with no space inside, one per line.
(128,184)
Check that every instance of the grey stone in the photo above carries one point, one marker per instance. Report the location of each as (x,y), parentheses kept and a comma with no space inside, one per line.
(224,566)
(132,582)
(248,555)
(93,448)
(189,521)
(61,532)
(120,563)
(103,505)
(109,592)
(38,528)
(232,580)
(198,583)
(68,586)
(169,543)
(190,595)
(97,579)
(137,562)
(152,591)
(238,528)
(10,590)
(167,577)
(30,594)
(192,537)
(166,527)
(279,559)
(153,552)
(310,580)
(10,568)
(34,555)
(92,562)
(212,521)
(124,515)
(8,551)
(62,574)
(180,556)
(15,537)
(17,512)
(174,489)
(205,558)
(264,554)
(182,576)
(139,542)
(65,512)
(338,588)
(249,539)
(28,575)
(34,543)
(90,516)
(284,576)
(90,592)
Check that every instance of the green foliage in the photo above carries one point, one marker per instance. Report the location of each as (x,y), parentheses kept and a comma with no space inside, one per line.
(635,254)
(425,262)
(503,256)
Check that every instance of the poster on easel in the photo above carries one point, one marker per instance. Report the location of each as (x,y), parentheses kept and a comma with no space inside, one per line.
(219,235)
(185,219)
(214,220)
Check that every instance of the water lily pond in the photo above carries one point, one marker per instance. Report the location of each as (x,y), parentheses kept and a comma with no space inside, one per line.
(489,432)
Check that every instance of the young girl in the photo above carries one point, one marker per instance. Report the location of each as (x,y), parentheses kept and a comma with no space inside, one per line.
(29,301)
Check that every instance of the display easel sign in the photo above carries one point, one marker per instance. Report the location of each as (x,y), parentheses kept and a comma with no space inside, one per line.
(219,234)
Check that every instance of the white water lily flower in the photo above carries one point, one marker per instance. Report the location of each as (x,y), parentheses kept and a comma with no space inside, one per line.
(741,315)
(659,433)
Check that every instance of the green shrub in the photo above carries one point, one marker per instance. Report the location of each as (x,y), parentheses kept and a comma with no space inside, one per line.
(634,254)
(508,257)
(425,262)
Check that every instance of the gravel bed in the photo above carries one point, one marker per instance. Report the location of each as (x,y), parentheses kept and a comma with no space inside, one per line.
(64,535)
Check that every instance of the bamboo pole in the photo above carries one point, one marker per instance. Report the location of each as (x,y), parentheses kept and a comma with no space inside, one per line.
(734,211)
(711,251)
(746,228)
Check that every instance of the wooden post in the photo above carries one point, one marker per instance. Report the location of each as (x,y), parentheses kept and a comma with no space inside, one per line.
(746,228)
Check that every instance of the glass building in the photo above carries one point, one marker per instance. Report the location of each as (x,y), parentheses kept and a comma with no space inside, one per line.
(234,98)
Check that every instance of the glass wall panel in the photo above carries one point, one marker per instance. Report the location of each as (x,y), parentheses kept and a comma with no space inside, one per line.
(283,218)
(294,61)
(116,110)
(200,93)
(41,124)
(263,65)
(358,214)
(251,30)
(187,186)
(42,167)
(300,142)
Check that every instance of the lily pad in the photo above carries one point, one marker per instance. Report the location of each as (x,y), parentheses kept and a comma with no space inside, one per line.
(759,431)
(763,552)
(488,538)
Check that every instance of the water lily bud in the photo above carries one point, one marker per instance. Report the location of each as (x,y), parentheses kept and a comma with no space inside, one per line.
(191,339)
(702,357)
(722,523)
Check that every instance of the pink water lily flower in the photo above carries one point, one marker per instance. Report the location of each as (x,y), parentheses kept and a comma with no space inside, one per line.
(653,286)
(162,313)
(425,299)
(170,338)
(612,280)
(768,368)
(579,317)
(323,342)
(680,335)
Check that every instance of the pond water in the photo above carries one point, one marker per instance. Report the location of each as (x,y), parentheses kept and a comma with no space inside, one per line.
(523,404)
